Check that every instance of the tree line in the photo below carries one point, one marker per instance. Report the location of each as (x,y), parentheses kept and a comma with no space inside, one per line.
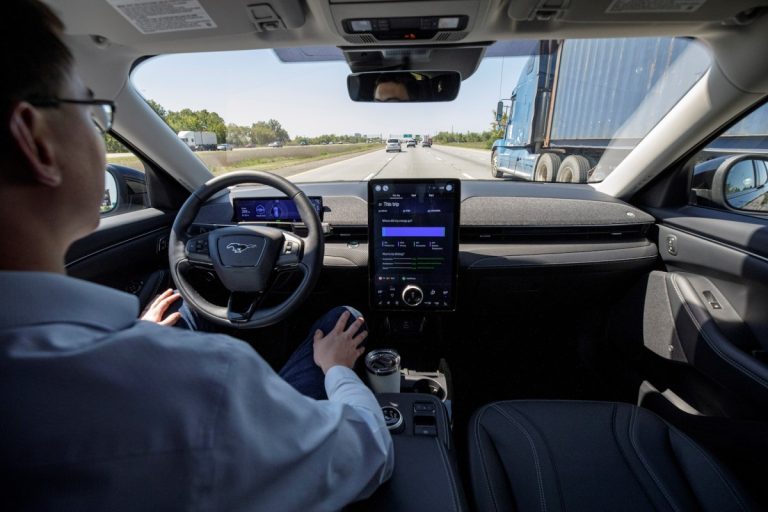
(262,133)
(259,133)
(487,137)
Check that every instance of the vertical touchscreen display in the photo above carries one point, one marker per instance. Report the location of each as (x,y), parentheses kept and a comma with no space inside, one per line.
(413,246)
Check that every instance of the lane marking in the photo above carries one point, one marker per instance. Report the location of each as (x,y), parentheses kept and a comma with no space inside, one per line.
(438,158)
(467,176)
(321,168)
(375,173)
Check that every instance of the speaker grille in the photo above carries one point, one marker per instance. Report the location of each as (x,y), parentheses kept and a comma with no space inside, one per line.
(361,39)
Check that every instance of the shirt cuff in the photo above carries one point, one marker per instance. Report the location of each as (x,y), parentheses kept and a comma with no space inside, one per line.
(343,385)
(339,375)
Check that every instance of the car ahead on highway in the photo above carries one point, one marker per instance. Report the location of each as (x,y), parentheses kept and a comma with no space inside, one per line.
(393,145)
(410,143)
(646,286)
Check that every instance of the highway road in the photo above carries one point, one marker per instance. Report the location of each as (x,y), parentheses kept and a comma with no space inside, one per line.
(419,162)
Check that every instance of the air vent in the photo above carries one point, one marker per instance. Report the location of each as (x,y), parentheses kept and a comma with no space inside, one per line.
(347,234)
(361,39)
(505,234)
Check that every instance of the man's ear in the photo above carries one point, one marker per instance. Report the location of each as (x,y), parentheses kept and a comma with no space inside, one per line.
(29,137)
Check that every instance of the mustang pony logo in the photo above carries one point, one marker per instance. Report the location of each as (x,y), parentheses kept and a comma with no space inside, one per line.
(239,248)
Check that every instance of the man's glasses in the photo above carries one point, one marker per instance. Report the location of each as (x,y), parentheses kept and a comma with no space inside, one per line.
(102,111)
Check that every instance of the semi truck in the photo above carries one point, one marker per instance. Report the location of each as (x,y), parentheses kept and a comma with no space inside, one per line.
(198,140)
(574,99)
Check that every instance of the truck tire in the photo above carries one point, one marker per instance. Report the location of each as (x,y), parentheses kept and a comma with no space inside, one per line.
(574,169)
(495,172)
(546,167)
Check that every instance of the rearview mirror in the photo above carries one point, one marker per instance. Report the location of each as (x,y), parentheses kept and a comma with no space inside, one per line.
(404,86)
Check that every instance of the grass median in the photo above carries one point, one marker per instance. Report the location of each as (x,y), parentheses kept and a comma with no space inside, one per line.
(471,145)
(289,156)
(261,159)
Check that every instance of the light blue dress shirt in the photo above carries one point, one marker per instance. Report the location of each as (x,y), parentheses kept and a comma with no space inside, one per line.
(100,411)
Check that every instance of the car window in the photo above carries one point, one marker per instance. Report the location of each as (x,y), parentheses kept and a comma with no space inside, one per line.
(563,105)
(731,173)
(125,184)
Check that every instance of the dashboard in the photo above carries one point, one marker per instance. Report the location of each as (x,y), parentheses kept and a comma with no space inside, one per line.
(493,235)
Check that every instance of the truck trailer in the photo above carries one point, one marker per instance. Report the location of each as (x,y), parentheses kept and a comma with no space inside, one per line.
(574,99)
(198,140)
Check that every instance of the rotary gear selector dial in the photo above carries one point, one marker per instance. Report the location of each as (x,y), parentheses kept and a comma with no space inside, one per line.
(412,295)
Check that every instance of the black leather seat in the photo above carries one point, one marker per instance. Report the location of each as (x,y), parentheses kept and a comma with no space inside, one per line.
(548,456)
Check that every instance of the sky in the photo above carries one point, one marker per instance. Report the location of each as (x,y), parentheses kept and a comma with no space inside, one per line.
(311,99)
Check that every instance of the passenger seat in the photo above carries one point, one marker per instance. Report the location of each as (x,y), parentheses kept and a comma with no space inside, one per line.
(549,456)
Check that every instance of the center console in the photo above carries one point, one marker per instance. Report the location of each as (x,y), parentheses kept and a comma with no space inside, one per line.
(425,475)
(413,228)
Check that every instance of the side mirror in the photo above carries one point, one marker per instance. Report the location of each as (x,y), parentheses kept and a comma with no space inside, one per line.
(499,111)
(404,86)
(125,190)
(111,195)
(741,183)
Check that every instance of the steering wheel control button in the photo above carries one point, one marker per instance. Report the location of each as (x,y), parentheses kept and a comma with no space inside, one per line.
(412,295)
(290,247)
(240,250)
(197,251)
(392,418)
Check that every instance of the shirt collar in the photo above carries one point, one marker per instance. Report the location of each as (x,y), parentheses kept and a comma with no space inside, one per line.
(33,298)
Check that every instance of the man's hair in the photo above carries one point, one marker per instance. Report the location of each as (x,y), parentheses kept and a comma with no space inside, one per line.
(35,60)
(404,78)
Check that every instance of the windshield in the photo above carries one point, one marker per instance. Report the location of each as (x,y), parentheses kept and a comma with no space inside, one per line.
(550,115)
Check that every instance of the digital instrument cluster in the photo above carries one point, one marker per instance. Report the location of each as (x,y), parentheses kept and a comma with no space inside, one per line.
(271,209)
(413,247)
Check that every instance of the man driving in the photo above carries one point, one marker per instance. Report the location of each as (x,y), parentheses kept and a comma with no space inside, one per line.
(101,411)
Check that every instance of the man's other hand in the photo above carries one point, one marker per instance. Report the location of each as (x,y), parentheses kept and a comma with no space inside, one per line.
(155,310)
(340,346)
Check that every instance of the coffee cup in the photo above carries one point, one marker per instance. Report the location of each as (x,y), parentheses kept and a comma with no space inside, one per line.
(383,368)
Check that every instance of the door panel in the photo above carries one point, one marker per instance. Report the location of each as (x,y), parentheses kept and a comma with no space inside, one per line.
(714,295)
(729,249)
(127,252)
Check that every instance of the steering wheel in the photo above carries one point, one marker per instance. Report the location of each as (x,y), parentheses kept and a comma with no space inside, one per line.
(246,258)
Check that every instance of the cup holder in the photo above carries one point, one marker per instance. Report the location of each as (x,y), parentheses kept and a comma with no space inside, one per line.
(430,387)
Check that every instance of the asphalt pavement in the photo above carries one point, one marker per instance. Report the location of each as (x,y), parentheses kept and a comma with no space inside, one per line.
(418,162)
